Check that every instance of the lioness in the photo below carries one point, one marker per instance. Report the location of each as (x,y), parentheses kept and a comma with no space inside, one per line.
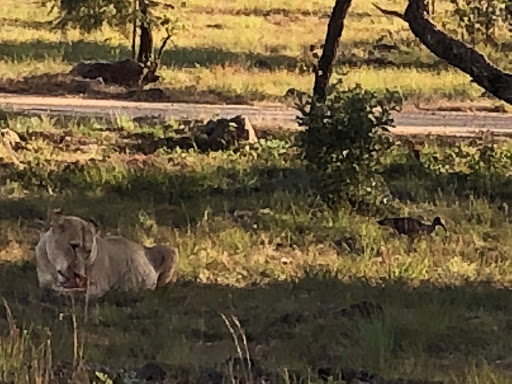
(72,254)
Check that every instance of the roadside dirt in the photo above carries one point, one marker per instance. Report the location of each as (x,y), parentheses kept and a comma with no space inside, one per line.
(263,116)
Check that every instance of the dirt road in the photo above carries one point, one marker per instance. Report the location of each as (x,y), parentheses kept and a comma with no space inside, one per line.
(276,116)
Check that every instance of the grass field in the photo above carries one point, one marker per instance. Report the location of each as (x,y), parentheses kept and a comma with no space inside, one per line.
(256,242)
(253,50)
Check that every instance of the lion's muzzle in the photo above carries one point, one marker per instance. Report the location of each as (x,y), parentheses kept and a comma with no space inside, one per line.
(75,281)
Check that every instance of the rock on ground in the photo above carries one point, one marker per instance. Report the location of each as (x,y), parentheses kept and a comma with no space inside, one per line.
(227,133)
(127,73)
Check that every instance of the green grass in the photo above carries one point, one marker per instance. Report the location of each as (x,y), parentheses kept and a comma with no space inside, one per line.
(223,46)
(284,268)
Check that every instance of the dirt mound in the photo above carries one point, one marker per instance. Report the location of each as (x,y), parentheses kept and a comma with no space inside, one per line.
(125,73)
(214,135)
(67,84)
(51,84)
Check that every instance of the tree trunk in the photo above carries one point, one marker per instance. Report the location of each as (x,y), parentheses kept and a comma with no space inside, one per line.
(455,52)
(134,29)
(324,69)
(146,38)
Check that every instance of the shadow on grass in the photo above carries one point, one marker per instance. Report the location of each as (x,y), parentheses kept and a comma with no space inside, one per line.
(72,52)
(299,325)
(414,182)
(186,57)
(182,198)
(23,23)
(76,51)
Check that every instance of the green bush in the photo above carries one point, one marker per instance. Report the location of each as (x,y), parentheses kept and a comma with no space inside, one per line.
(345,143)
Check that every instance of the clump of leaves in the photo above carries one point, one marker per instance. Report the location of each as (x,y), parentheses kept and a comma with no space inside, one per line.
(121,15)
(480,20)
(479,167)
(345,143)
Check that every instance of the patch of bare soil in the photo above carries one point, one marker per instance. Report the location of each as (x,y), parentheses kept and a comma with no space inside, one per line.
(466,106)
(65,84)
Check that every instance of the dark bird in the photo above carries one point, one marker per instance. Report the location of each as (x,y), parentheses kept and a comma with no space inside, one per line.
(410,226)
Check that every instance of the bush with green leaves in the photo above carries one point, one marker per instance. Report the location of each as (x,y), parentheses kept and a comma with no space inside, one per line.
(345,143)
(92,15)
(481,19)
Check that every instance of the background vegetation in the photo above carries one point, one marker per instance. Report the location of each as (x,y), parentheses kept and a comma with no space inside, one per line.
(257,51)
(250,227)
(279,238)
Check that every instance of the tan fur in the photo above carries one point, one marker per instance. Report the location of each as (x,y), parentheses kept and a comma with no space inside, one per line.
(107,262)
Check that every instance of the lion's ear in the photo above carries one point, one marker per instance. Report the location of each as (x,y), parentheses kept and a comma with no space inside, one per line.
(55,217)
(90,230)
(94,224)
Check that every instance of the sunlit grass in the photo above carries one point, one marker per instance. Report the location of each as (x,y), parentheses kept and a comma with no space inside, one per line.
(222,46)
(286,256)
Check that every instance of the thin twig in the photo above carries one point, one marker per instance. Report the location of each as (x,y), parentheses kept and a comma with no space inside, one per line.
(237,345)
(388,12)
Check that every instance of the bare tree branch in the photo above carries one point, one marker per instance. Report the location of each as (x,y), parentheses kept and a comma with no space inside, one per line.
(388,12)
(455,52)
(162,47)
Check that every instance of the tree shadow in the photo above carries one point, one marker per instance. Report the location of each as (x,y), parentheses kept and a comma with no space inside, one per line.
(76,51)
(23,23)
(181,198)
(71,52)
(316,322)
(414,182)
(186,57)
(183,57)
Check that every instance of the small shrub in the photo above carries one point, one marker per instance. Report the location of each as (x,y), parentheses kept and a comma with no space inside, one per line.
(344,146)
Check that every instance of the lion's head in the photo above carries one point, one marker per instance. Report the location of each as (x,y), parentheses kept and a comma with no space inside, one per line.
(70,246)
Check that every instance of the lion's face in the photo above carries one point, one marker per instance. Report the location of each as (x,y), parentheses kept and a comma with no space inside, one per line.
(70,245)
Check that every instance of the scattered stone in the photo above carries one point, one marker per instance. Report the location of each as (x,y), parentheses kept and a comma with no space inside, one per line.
(363,377)
(215,135)
(292,319)
(63,371)
(293,93)
(242,214)
(239,366)
(363,309)
(127,73)
(151,372)
(352,376)
(224,133)
(266,211)
(349,376)
(210,376)
(327,373)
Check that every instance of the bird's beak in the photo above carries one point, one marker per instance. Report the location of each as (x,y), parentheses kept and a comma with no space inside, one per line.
(442,225)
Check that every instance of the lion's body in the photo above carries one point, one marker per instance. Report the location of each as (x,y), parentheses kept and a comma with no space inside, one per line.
(106,262)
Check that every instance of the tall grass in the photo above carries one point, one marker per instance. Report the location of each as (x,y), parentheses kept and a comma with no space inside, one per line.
(22,359)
